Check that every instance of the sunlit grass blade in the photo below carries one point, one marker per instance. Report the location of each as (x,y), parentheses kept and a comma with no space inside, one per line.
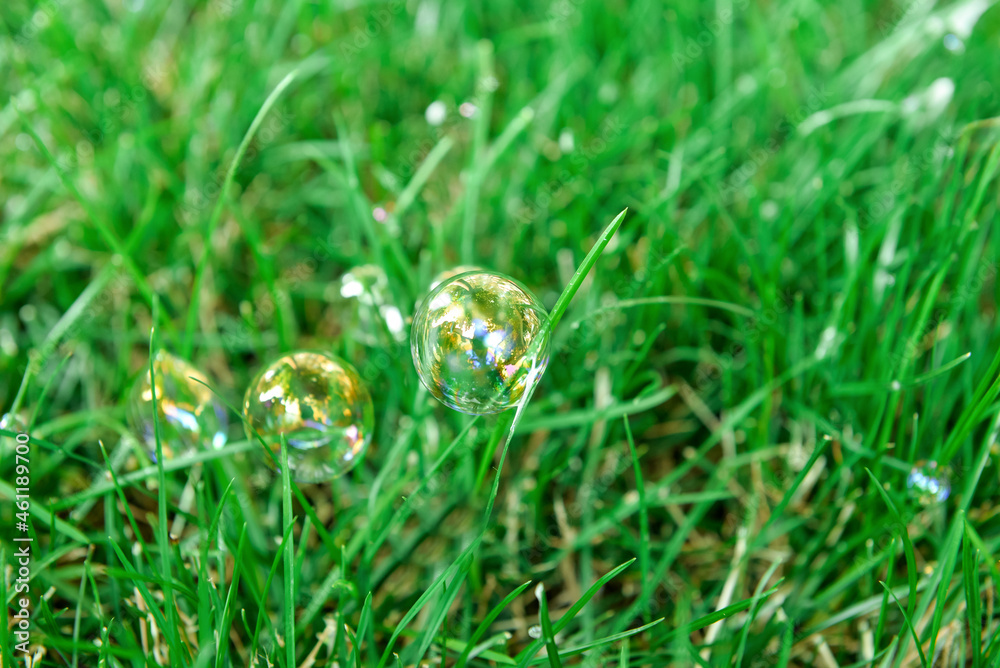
(644,539)
(162,529)
(601,642)
(548,635)
(220,203)
(581,272)
(909,626)
(487,621)
(288,550)
(262,604)
(911,561)
(363,624)
(222,650)
(524,656)
(973,601)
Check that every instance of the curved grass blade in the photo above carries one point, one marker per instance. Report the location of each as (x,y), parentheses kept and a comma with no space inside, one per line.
(227,610)
(366,618)
(754,602)
(600,642)
(485,624)
(909,625)
(289,555)
(220,202)
(437,616)
(162,532)
(911,562)
(262,604)
(973,602)
(644,541)
(548,635)
(581,272)
(524,656)
(321,531)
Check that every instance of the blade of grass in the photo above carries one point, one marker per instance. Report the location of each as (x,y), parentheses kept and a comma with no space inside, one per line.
(524,656)
(548,635)
(220,202)
(366,616)
(973,602)
(262,604)
(581,272)
(909,625)
(644,541)
(227,611)
(289,555)
(485,624)
(911,562)
(945,569)
(601,642)
(754,603)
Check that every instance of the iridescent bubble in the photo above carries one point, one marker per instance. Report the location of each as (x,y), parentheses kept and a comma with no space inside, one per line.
(190,415)
(320,405)
(451,273)
(11,422)
(929,483)
(363,305)
(476,339)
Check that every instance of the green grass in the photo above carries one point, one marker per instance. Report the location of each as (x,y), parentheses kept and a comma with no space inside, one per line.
(798,305)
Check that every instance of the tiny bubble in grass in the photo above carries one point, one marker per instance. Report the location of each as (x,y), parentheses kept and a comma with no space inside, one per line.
(475,340)
(322,407)
(190,415)
(929,483)
(362,305)
(12,422)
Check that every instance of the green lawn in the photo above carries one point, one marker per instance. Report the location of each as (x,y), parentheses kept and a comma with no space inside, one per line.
(800,304)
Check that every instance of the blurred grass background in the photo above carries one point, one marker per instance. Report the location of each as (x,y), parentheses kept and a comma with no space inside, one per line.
(824,174)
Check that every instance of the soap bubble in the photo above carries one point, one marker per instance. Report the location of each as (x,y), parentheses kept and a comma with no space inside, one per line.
(320,405)
(451,273)
(11,422)
(476,339)
(364,307)
(190,415)
(929,483)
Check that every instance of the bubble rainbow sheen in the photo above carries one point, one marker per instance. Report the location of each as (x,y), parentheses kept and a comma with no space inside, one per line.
(321,406)
(929,483)
(476,339)
(190,415)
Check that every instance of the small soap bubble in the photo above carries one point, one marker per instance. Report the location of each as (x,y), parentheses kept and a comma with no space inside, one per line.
(476,339)
(11,422)
(436,113)
(190,415)
(929,483)
(364,307)
(320,405)
(535,631)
